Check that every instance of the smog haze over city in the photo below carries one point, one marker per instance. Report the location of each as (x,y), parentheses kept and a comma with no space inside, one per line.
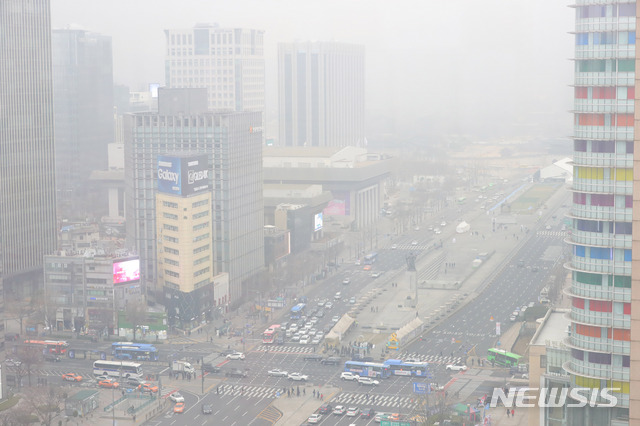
(481,69)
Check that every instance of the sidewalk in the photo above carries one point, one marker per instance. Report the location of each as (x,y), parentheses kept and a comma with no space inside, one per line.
(296,410)
(499,417)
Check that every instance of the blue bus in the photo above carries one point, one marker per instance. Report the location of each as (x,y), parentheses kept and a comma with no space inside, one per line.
(370,258)
(134,351)
(367,369)
(398,367)
(297,311)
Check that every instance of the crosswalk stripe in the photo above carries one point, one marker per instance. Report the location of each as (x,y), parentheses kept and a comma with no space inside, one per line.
(285,349)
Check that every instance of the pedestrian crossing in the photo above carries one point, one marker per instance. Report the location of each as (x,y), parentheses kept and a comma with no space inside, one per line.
(377,400)
(248,391)
(460,333)
(412,247)
(551,233)
(302,349)
(85,373)
(431,359)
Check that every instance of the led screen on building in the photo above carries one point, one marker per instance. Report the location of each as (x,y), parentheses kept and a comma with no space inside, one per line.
(126,270)
(317,222)
(183,175)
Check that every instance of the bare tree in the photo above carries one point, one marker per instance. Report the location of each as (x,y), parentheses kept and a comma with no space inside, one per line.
(29,357)
(19,310)
(136,315)
(44,402)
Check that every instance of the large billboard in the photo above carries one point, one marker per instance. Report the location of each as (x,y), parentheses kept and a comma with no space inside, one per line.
(340,205)
(317,222)
(183,175)
(126,270)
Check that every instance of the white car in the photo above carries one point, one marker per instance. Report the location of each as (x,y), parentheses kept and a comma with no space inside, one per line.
(443,223)
(295,337)
(335,319)
(316,341)
(368,381)
(176,397)
(236,355)
(277,373)
(346,281)
(394,246)
(293,327)
(352,411)
(328,305)
(339,410)
(512,318)
(376,274)
(337,296)
(347,375)
(304,340)
(414,242)
(298,377)
(454,367)
(314,418)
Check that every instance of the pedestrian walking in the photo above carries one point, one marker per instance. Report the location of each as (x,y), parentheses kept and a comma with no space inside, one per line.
(513,412)
(304,391)
(314,393)
(508,412)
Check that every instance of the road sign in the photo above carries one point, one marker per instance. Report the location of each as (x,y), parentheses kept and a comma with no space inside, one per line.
(420,388)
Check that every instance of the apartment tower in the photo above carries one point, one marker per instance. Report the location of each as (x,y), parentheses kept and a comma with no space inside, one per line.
(321,94)
(602,210)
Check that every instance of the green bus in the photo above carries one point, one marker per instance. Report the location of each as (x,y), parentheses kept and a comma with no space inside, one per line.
(501,357)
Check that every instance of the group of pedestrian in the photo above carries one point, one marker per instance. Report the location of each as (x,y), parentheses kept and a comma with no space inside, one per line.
(373,309)
(512,412)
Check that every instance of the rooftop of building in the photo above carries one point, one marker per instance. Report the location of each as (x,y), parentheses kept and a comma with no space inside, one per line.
(82,395)
(553,327)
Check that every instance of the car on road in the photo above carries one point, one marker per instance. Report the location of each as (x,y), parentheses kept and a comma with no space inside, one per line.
(316,340)
(376,274)
(513,318)
(443,223)
(134,381)
(337,296)
(179,408)
(52,358)
(352,411)
(314,418)
(321,303)
(109,384)
(347,375)
(332,360)
(366,268)
(235,373)
(176,397)
(277,373)
(367,413)
(456,367)
(304,340)
(295,337)
(437,231)
(312,357)
(226,352)
(352,301)
(328,305)
(339,410)
(335,318)
(414,242)
(99,378)
(387,416)
(72,377)
(147,387)
(532,304)
(298,377)
(368,381)
(325,409)
(236,355)
(346,281)
(293,327)
(394,246)
(207,409)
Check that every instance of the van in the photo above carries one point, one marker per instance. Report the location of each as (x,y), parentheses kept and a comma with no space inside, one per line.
(338,296)
(332,360)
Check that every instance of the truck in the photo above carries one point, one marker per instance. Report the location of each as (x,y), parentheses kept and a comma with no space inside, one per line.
(182,366)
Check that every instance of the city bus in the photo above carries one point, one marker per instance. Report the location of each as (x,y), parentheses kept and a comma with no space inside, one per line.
(502,357)
(117,369)
(58,347)
(371,258)
(398,367)
(136,352)
(297,311)
(367,369)
(270,334)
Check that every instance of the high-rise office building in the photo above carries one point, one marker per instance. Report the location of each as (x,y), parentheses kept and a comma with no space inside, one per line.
(233,146)
(603,198)
(321,94)
(84,116)
(27,169)
(228,62)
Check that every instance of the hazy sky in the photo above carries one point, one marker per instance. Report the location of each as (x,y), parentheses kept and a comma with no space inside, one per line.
(485,68)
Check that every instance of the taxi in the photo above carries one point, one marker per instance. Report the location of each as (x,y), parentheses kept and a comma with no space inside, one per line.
(179,407)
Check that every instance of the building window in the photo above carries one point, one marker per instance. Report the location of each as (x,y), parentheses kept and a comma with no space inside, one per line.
(171,273)
(170,227)
(170,216)
(170,204)
(200,203)
(543,361)
(201,214)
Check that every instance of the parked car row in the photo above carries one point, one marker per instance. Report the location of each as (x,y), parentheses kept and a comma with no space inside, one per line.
(351,411)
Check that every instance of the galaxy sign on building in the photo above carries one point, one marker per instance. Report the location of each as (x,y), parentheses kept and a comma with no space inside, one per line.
(183,175)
